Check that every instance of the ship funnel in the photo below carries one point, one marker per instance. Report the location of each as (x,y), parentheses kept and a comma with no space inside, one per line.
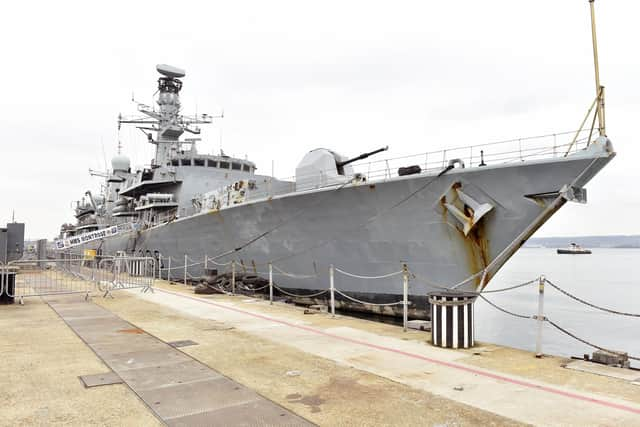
(170,71)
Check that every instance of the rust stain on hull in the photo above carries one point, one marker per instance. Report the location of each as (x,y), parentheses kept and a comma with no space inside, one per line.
(475,242)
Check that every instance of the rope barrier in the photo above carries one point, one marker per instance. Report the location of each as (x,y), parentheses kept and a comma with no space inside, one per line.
(530,282)
(558,327)
(504,310)
(357,276)
(366,303)
(299,296)
(597,307)
(434,285)
(582,340)
(295,276)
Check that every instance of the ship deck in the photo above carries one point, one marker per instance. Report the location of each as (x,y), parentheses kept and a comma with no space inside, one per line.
(320,370)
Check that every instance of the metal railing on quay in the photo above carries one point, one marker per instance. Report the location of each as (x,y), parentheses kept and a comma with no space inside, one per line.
(75,274)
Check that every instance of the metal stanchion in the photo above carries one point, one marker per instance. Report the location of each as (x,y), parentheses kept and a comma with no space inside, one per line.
(540,316)
(270,284)
(233,277)
(205,261)
(332,290)
(169,271)
(405,297)
(185,269)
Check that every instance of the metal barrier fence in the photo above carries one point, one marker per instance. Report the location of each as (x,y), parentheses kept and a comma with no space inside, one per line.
(75,274)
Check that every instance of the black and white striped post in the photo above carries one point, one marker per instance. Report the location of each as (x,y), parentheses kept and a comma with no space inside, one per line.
(452,319)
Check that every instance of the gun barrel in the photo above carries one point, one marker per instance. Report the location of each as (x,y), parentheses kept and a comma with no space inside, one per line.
(362,156)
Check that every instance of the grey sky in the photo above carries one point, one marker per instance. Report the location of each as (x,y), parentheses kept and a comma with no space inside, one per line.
(292,76)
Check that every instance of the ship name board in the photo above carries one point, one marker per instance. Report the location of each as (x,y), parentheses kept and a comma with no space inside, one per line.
(94,235)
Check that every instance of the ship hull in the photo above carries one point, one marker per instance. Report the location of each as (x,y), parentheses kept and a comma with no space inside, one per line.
(373,229)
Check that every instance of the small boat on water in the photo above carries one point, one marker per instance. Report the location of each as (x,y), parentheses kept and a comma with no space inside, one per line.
(574,249)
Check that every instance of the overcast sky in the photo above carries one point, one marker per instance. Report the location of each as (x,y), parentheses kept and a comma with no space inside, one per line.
(293,75)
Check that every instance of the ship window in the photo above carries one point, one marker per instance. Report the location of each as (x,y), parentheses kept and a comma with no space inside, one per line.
(246,168)
(185,162)
(175,162)
(235,166)
(212,164)
(224,165)
(198,162)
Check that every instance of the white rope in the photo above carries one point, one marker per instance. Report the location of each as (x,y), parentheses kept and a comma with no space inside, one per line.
(357,276)
(295,276)
(367,303)
(468,279)
(299,296)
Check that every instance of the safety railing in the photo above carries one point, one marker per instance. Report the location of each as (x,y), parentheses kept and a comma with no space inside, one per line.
(75,274)
(516,150)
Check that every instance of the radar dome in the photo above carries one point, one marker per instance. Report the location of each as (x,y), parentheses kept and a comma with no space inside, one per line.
(120,163)
(170,71)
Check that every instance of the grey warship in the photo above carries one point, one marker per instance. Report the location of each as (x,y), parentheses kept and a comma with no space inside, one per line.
(452,220)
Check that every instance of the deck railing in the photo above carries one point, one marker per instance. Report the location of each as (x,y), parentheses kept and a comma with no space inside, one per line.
(494,153)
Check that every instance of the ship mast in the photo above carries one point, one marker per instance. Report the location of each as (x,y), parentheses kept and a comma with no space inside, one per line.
(598,102)
(599,87)
(167,121)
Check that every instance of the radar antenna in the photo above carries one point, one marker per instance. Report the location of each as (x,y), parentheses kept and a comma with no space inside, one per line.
(166,121)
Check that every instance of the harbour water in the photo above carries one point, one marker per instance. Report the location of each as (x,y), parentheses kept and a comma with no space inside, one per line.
(608,277)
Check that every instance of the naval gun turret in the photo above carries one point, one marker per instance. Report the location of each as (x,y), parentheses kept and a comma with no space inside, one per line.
(322,167)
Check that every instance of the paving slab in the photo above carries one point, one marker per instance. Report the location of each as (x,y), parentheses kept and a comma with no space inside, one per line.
(177,388)
(96,380)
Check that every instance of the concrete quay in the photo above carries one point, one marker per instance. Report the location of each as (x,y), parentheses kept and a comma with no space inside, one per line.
(324,370)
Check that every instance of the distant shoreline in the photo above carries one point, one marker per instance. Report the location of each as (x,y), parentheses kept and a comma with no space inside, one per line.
(609,242)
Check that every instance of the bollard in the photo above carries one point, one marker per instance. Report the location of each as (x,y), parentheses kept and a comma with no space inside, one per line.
(540,317)
(452,318)
(233,277)
(270,284)
(405,297)
(185,269)
(332,290)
